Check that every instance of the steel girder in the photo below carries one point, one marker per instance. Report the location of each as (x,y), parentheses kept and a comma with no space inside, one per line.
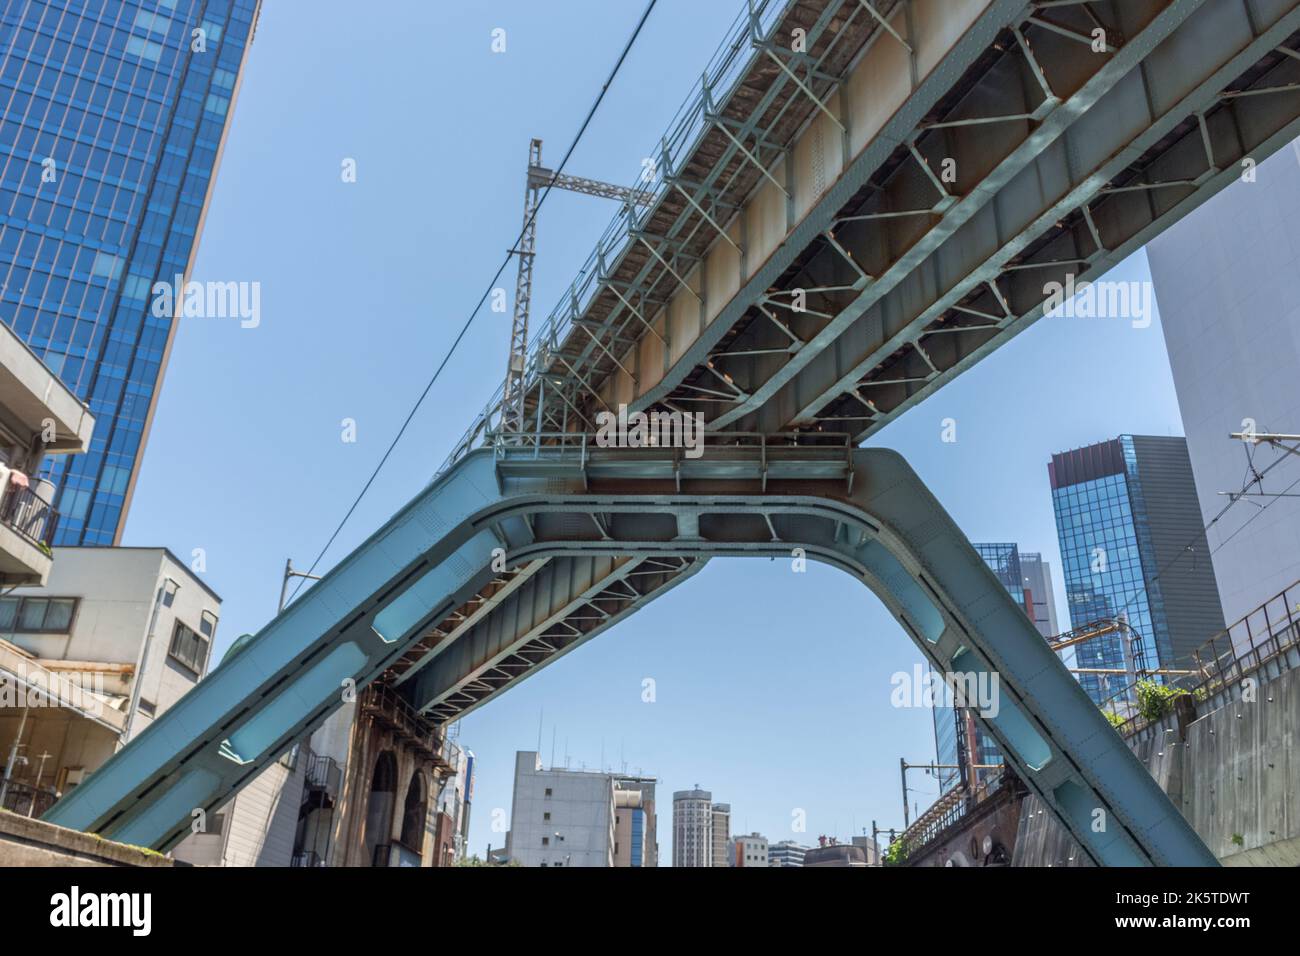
(571,601)
(909,308)
(756,95)
(865,512)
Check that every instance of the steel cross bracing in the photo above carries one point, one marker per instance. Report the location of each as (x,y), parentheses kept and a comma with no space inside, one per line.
(1066,160)
(704,170)
(1066,156)
(615,528)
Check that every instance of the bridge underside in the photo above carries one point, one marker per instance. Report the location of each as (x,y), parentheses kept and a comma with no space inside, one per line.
(853,227)
(509,560)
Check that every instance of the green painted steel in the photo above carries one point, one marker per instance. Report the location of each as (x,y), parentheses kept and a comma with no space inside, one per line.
(864,511)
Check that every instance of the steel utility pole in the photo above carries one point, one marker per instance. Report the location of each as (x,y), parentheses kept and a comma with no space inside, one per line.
(290,572)
(538,179)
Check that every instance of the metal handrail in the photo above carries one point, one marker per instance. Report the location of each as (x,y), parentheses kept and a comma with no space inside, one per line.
(26,512)
(1240,649)
(686,130)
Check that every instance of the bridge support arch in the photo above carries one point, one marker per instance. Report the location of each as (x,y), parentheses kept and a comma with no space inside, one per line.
(566,539)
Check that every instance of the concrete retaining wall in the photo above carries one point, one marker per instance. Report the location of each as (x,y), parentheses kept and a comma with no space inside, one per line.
(28,842)
(1234,773)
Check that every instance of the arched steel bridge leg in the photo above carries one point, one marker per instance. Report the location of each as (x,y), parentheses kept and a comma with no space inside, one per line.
(864,511)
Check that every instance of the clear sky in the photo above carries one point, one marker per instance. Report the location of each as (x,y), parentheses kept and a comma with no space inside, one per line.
(773,689)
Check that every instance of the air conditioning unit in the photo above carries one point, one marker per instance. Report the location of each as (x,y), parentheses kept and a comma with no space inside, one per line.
(75,776)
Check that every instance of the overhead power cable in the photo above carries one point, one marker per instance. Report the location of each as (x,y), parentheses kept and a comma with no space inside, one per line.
(627,48)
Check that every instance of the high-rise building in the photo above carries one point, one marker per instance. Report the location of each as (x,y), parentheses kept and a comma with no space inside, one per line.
(1133,546)
(720,828)
(954,726)
(112,127)
(692,828)
(1040,596)
(786,853)
(1225,280)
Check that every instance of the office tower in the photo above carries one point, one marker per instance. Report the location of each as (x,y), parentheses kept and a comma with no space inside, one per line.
(1133,545)
(692,828)
(112,127)
(1039,595)
(954,726)
(1225,278)
(575,818)
(720,828)
(786,853)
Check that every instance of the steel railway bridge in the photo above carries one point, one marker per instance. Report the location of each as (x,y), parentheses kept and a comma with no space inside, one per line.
(858,202)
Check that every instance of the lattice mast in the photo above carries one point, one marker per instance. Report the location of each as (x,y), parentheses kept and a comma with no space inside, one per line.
(538,180)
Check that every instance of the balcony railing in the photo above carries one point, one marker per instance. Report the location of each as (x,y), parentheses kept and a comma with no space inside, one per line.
(323,774)
(307,858)
(29,801)
(29,514)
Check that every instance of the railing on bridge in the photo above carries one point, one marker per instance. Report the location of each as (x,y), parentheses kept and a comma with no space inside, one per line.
(950,809)
(821,455)
(687,129)
(1268,635)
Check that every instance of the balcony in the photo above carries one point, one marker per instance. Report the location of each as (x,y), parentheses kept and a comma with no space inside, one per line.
(308,858)
(322,779)
(27,525)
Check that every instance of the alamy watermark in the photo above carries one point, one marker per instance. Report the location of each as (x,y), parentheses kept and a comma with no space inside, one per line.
(626,429)
(37,687)
(1131,301)
(209,300)
(927,688)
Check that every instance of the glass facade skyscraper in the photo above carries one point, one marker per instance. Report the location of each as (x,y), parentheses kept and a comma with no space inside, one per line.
(953,727)
(1132,544)
(114,115)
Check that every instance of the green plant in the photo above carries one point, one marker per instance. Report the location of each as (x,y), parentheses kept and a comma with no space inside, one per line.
(1115,719)
(1156,700)
(896,854)
(1238,840)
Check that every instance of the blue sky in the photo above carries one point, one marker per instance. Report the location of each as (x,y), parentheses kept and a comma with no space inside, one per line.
(772,688)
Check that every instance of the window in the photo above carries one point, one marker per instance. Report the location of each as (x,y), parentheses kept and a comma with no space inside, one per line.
(546,841)
(106,265)
(148,707)
(546,817)
(189,648)
(32,615)
(144,49)
(548,791)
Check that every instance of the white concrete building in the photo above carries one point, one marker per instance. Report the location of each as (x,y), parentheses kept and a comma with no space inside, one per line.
(1226,281)
(114,638)
(568,817)
(749,850)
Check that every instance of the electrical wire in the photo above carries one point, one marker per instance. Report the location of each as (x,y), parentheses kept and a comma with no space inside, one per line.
(627,48)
